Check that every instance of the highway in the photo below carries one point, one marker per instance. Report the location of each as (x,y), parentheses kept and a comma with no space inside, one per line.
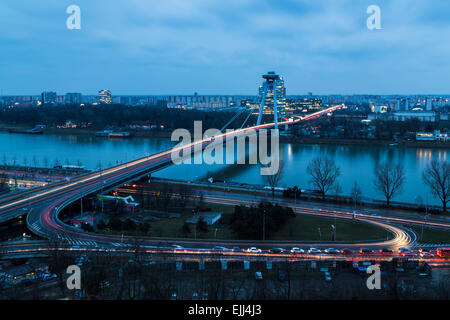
(45,204)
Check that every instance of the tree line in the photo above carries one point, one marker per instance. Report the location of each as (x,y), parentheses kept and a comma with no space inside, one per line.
(101,116)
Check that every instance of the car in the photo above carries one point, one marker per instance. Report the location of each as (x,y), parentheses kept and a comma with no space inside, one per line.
(276,250)
(426,253)
(254,250)
(365,251)
(405,252)
(49,276)
(385,251)
(361,270)
(314,251)
(258,275)
(331,251)
(424,250)
(347,251)
(219,248)
(237,249)
(297,250)
(176,247)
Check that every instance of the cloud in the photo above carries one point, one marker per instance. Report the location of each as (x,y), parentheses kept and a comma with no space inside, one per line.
(222,47)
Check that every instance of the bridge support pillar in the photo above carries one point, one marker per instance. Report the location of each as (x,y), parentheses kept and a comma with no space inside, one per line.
(270,84)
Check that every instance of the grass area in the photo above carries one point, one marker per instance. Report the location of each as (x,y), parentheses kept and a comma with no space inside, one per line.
(305,228)
(301,228)
(172,227)
(431,235)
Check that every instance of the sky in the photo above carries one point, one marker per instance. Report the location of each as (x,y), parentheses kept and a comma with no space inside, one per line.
(223,47)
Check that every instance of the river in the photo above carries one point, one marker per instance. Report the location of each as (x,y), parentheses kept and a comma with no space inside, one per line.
(356,162)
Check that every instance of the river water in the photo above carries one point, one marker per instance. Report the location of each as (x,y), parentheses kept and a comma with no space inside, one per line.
(356,162)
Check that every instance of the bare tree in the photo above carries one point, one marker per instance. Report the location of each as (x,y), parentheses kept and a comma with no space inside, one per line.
(337,188)
(356,193)
(274,180)
(3,181)
(45,162)
(437,176)
(185,194)
(389,180)
(166,196)
(323,172)
(35,161)
(99,166)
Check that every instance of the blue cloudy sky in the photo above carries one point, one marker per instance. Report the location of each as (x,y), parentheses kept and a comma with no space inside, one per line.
(223,47)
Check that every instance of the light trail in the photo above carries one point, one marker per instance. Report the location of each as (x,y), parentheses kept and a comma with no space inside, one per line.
(50,226)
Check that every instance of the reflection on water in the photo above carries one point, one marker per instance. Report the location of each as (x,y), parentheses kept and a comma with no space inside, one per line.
(356,162)
(426,155)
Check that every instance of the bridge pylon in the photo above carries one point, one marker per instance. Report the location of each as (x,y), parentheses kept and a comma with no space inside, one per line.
(269,86)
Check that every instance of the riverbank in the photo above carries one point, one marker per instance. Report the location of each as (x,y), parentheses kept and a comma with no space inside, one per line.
(283,138)
(365,142)
(86,131)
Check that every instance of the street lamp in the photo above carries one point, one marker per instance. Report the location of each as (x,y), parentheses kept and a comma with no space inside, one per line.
(103,183)
(81,200)
(335,226)
(195,231)
(421,234)
(264,224)
(426,216)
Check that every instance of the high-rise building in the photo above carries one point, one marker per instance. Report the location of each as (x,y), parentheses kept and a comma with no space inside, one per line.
(73,98)
(104,96)
(271,78)
(429,105)
(48,97)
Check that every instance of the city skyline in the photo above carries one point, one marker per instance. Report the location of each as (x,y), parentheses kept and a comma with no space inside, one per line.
(180,48)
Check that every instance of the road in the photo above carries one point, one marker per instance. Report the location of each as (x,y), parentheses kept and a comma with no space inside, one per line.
(46,203)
